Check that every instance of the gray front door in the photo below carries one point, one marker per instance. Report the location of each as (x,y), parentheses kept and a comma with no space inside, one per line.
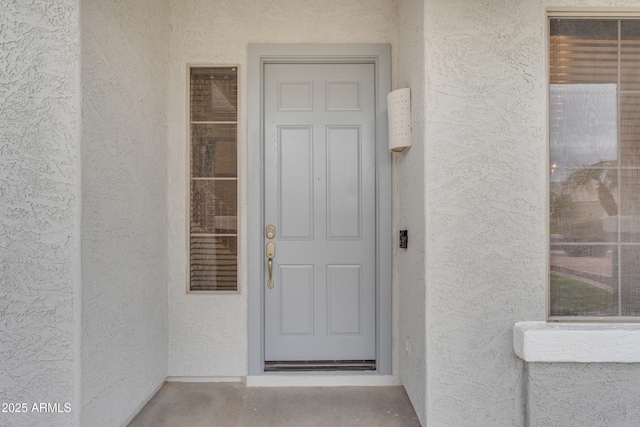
(319,193)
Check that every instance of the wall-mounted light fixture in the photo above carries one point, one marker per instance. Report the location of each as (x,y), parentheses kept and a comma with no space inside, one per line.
(399,110)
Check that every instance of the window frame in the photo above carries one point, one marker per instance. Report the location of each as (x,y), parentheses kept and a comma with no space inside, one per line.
(188,165)
(571,13)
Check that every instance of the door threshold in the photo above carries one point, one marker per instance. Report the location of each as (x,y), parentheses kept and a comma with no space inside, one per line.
(322,379)
(320,365)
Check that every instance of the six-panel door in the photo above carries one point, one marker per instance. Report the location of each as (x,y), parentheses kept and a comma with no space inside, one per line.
(319,193)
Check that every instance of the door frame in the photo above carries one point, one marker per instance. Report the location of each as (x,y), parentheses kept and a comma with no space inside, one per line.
(259,55)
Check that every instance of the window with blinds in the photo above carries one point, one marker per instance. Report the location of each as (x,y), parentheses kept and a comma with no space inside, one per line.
(213,125)
(594,167)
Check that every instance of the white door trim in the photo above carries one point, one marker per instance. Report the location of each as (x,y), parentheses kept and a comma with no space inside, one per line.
(260,54)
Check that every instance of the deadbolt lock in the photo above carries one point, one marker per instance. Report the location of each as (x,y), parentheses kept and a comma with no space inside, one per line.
(270,232)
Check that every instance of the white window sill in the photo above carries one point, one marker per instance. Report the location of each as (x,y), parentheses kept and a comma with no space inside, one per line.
(577,342)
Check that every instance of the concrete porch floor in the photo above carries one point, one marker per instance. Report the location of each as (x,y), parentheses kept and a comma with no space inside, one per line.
(235,405)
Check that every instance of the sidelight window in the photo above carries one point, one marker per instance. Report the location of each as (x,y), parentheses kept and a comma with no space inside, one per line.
(213,230)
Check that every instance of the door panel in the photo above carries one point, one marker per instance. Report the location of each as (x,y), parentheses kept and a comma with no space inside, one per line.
(319,138)
(343,182)
(343,96)
(295,182)
(344,299)
(296,300)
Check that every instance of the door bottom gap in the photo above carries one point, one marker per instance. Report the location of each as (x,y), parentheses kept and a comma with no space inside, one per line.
(319,365)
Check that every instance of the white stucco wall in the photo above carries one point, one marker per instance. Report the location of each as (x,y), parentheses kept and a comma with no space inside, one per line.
(409,212)
(125,50)
(583,394)
(208,334)
(485,137)
(486,178)
(39,197)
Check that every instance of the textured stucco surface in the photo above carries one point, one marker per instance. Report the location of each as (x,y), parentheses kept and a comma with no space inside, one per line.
(409,212)
(486,178)
(485,143)
(125,50)
(583,394)
(208,334)
(38,207)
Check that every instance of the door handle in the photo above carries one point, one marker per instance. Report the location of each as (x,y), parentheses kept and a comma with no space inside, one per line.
(271,254)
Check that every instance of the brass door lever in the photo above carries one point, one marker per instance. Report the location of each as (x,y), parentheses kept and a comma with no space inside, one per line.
(271,254)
